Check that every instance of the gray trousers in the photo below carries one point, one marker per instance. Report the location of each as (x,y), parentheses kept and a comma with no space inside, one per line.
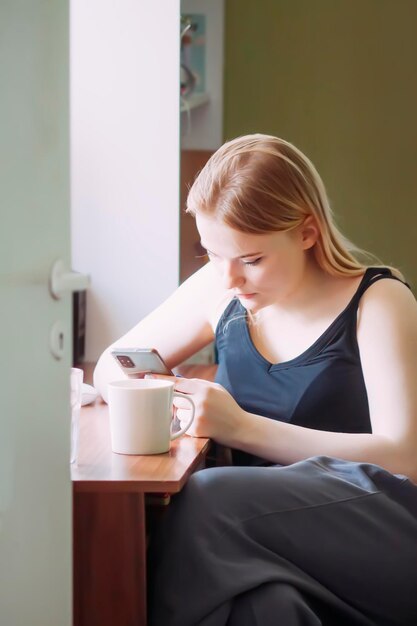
(320,542)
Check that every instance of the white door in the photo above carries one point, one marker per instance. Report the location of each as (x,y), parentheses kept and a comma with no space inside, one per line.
(35,489)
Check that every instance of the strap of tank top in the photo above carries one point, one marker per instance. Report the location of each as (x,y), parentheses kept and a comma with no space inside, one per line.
(371,276)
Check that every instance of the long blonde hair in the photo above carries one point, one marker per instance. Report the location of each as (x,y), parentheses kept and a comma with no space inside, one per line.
(260,183)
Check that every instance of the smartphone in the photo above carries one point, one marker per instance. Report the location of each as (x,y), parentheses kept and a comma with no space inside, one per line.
(136,362)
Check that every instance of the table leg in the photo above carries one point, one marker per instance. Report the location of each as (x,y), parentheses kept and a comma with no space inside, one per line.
(109,551)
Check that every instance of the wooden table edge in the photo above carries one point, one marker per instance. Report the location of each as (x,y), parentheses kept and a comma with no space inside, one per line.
(137,485)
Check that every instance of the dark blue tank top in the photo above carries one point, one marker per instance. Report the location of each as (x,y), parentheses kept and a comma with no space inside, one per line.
(322,388)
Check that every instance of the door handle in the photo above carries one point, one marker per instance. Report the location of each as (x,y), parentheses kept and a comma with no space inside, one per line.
(63,280)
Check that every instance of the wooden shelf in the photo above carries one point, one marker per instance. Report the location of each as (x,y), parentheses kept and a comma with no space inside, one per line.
(193,101)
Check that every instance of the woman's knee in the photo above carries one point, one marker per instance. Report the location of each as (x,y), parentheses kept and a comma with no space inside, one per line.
(269,602)
(206,489)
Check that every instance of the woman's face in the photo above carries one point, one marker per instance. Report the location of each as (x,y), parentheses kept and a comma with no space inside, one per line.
(261,270)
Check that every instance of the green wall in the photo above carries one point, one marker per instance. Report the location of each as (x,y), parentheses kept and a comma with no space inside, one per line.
(338,79)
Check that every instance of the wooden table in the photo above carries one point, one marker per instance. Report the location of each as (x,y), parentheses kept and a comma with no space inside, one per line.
(109,524)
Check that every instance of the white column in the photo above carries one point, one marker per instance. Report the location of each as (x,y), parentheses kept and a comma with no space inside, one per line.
(124,159)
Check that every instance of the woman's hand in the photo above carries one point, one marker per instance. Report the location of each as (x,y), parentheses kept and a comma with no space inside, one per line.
(217,415)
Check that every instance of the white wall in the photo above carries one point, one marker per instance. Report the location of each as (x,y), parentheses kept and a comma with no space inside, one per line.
(124,159)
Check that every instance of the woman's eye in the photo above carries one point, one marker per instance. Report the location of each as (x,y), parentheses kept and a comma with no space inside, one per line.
(254,262)
(212,257)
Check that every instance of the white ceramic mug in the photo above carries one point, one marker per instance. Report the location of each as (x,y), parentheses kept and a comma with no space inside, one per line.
(141,415)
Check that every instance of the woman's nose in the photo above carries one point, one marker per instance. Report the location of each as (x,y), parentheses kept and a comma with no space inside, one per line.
(232,277)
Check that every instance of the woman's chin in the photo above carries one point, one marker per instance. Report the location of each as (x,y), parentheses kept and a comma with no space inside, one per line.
(251,303)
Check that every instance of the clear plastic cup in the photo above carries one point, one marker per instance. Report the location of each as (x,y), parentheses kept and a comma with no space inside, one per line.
(77,377)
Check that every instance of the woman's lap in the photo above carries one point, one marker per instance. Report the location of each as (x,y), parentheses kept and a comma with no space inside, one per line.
(331,529)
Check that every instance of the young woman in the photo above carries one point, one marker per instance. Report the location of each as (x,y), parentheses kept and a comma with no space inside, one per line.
(316,522)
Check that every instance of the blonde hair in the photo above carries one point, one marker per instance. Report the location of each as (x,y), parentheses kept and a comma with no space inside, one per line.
(259,184)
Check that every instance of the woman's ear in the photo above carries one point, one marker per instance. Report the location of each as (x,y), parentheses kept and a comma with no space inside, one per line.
(309,232)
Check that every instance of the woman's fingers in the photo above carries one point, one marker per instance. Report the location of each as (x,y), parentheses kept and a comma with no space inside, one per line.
(173,379)
(181,403)
(191,385)
(183,416)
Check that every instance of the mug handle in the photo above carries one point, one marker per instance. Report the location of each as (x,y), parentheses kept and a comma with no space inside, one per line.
(187,426)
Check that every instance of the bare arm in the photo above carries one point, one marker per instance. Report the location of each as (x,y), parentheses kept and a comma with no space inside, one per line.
(387,337)
(178,328)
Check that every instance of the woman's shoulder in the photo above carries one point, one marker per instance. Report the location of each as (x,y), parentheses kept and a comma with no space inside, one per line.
(381,287)
(387,301)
